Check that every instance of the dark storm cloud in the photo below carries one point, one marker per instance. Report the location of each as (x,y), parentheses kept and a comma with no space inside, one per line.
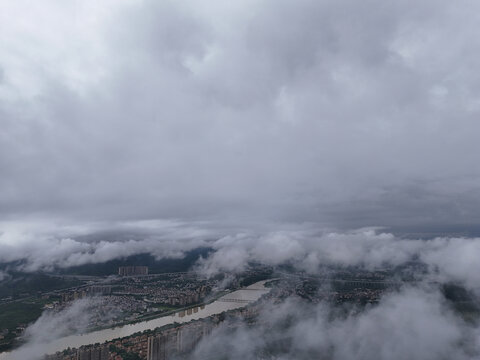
(346,113)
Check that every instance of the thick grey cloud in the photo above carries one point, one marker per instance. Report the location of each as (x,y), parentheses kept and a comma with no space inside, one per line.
(447,259)
(337,112)
(46,246)
(410,324)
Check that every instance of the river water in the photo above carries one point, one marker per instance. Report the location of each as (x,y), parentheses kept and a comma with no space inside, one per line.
(234,300)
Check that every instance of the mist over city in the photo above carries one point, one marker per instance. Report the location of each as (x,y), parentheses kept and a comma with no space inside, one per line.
(257,179)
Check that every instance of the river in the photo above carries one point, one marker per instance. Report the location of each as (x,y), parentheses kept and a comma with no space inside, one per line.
(234,300)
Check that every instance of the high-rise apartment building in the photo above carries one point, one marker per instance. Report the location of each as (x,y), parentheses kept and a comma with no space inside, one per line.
(132,270)
(96,353)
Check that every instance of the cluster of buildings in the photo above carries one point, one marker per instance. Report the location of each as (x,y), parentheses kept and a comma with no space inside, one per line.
(93,290)
(132,270)
(100,290)
(177,341)
(359,295)
(335,291)
(184,299)
(113,309)
(179,291)
(83,353)
(106,310)
(128,298)
(170,342)
(73,295)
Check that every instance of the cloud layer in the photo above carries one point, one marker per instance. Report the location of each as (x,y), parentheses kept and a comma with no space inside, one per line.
(342,113)
(45,246)
(447,259)
(412,324)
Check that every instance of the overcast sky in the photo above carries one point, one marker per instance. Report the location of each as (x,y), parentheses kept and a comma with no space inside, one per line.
(313,132)
(341,113)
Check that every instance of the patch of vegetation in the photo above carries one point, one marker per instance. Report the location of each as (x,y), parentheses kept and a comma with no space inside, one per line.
(15,314)
(25,284)
(462,301)
(250,279)
(123,353)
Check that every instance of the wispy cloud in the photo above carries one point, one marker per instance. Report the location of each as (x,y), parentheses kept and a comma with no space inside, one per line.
(52,326)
